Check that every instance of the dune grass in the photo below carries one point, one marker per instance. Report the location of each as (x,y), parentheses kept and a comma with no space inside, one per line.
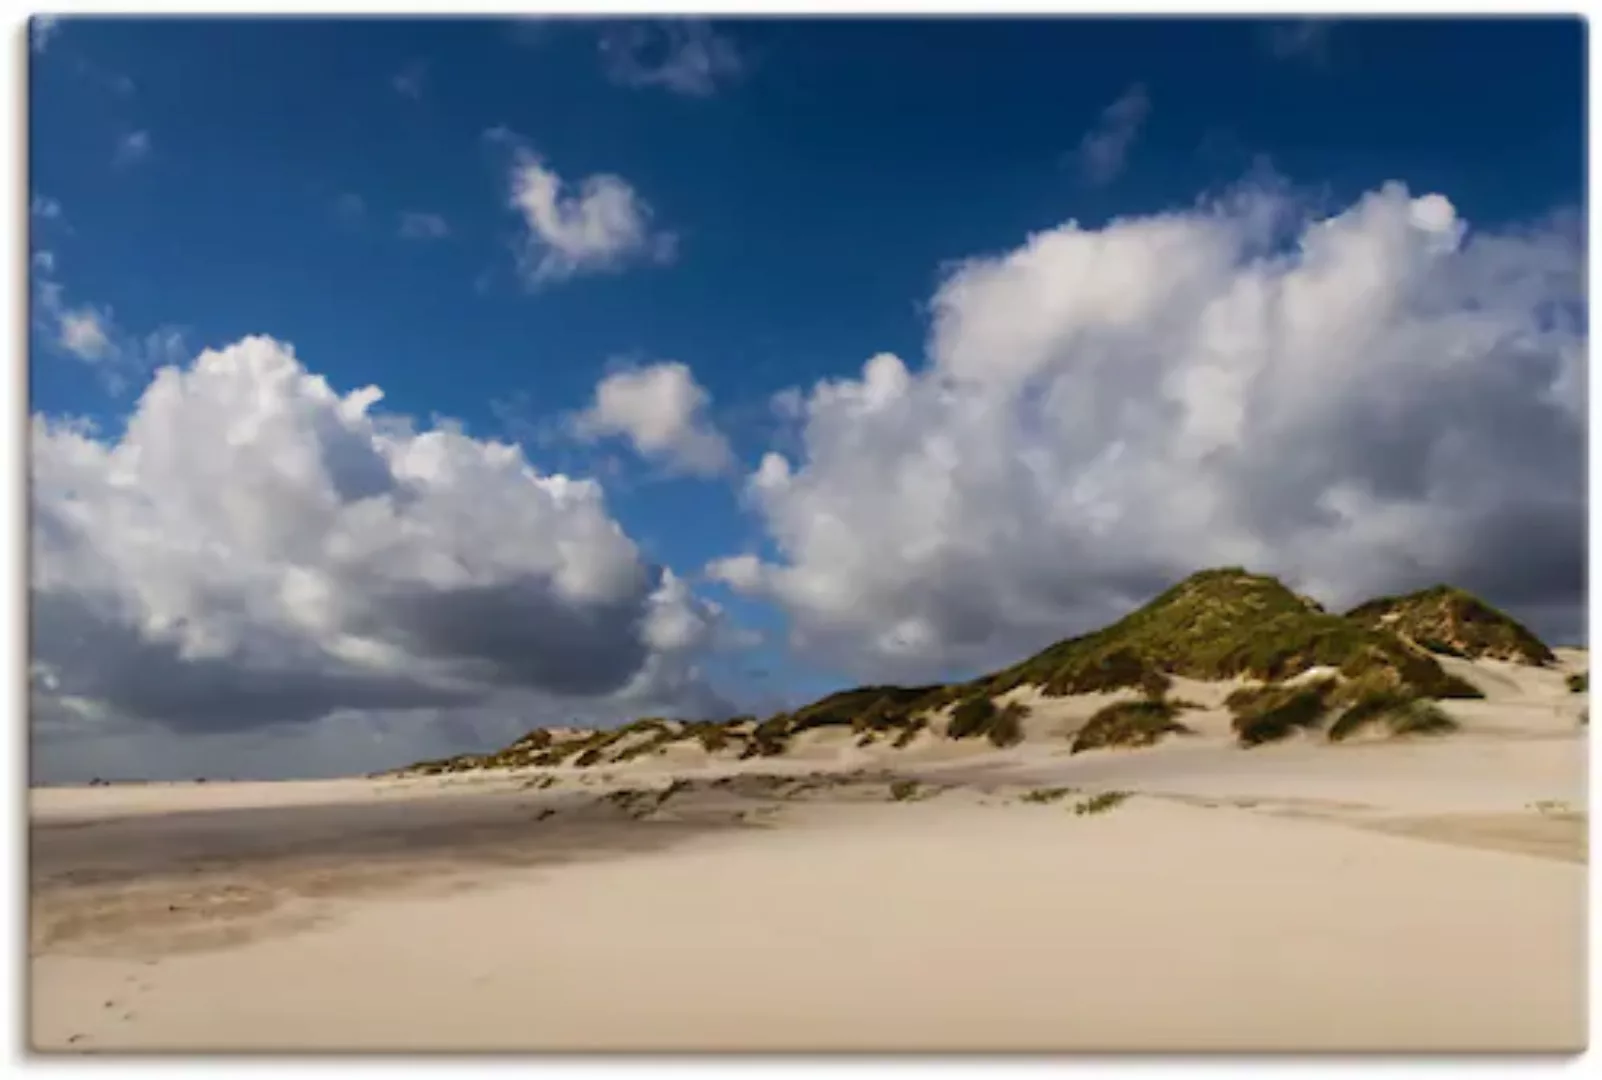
(1217,624)
(1222,624)
(908,733)
(1264,714)
(1046,795)
(1456,622)
(978,715)
(1579,682)
(1128,724)
(1101,804)
(1400,712)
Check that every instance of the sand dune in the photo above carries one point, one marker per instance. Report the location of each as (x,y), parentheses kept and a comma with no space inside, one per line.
(1382,894)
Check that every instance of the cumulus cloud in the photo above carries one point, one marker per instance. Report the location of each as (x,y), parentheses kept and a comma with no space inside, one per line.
(601,227)
(742,572)
(256,549)
(1375,400)
(684,56)
(1104,149)
(420,226)
(661,410)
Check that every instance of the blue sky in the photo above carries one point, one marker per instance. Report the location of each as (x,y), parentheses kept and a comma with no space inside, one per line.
(817,184)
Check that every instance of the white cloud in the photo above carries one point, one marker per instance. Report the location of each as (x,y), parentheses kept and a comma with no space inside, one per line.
(87,332)
(1105,148)
(83,333)
(258,549)
(133,147)
(661,410)
(409,81)
(42,28)
(42,206)
(742,572)
(1377,400)
(420,226)
(602,227)
(684,56)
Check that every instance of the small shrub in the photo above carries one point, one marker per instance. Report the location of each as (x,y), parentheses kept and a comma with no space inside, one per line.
(1006,727)
(1100,804)
(588,757)
(1421,718)
(902,790)
(1401,713)
(769,738)
(972,716)
(1046,795)
(1371,705)
(1579,682)
(1270,713)
(908,733)
(1129,724)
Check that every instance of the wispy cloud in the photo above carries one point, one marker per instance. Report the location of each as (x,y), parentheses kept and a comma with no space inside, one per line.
(1304,39)
(132,147)
(350,209)
(1104,149)
(409,81)
(84,332)
(41,28)
(91,334)
(43,206)
(419,226)
(530,30)
(684,56)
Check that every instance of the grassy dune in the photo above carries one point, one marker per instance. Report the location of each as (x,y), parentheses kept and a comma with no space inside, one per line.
(1377,663)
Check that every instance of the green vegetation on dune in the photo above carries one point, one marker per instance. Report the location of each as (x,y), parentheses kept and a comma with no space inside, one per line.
(1448,620)
(1100,804)
(1578,683)
(1222,624)
(1265,714)
(978,715)
(1379,661)
(1130,724)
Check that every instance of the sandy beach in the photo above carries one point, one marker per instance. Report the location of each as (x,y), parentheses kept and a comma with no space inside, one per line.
(1381,895)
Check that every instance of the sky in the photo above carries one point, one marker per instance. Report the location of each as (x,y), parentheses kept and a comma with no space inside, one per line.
(399,386)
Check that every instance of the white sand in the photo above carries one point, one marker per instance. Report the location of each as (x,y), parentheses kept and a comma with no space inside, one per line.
(1423,895)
